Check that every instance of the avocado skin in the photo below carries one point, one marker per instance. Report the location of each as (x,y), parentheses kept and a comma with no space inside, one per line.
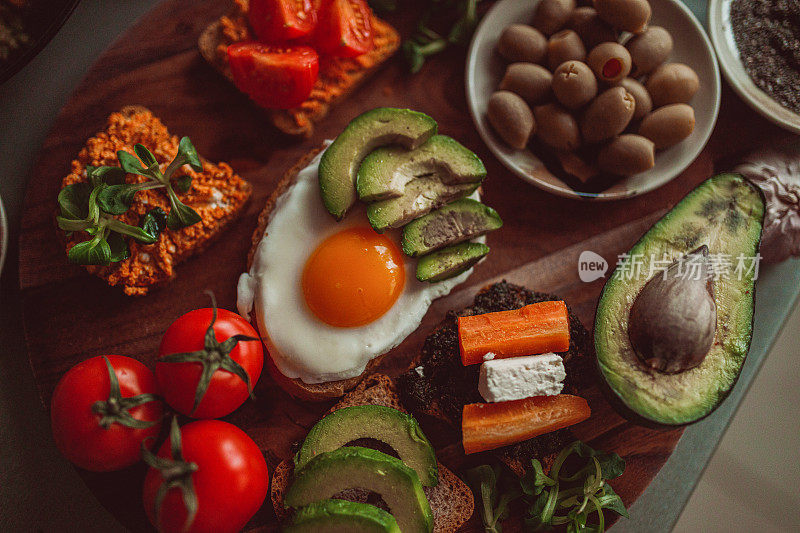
(398,430)
(709,201)
(466,218)
(385,171)
(339,164)
(323,476)
(450,262)
(342,515)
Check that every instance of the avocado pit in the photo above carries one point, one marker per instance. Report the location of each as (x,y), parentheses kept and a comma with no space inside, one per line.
(673,320)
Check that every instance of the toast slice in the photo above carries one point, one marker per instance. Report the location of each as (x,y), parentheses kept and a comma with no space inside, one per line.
(314,392)
(338,77)
(451,500)
(218,195)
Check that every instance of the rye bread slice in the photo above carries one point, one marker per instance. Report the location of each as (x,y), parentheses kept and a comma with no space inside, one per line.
(451,500)
(300,121)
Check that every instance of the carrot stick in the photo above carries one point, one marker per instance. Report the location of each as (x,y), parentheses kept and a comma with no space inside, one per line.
(537,328)
(486,426)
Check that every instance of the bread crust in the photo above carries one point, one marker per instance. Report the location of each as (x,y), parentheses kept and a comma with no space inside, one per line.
(300,121)
(451,500)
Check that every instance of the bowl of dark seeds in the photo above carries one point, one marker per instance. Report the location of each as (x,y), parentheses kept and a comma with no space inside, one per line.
(758,45)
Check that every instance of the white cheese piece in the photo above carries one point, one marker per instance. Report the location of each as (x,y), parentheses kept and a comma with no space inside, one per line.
(489,356)
(515,378)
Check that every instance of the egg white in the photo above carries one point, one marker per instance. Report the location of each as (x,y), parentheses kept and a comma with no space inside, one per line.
(300,344)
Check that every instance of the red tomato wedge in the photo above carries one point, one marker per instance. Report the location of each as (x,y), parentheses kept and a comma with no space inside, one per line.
(486,426)
(277,21)
(344,28)
(274,77)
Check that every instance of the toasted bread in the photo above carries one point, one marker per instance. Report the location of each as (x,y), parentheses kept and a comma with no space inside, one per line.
(314,392)
(217,194)
(338,77)
(451,500)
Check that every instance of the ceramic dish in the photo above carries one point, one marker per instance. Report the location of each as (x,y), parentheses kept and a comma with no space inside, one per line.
(719,25)
(3,235)
(485,68)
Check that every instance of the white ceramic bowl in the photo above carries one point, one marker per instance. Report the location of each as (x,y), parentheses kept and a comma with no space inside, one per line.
(719,25)
(485,69)
(3,235)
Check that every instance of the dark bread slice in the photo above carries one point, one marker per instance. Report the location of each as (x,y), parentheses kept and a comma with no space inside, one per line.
(451,500)
(315,392)
(332,85)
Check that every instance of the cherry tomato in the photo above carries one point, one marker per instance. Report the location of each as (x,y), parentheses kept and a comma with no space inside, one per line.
(344,28)
(274,77)
(277,21)
(100,418)
(233,364)
(220,465)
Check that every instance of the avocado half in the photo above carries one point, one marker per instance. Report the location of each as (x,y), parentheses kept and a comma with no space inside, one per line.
(398,430)
(724,213)
(342,516)
(350,467)
(340,162)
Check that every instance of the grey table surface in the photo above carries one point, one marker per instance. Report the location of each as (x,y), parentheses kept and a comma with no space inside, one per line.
(40,491)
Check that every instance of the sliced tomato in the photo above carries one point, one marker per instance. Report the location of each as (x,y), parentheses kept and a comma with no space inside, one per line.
(344,28)
(277,21)
(274,77)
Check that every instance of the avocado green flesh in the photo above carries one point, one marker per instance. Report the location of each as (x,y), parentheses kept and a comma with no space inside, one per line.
(385,172)
(450,262)
(726,214)
(342,516)
(398,430)
(422,195)
(354,467)
(340,162)
(456,222)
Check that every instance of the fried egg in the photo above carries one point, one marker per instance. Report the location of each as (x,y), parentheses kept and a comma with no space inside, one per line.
(330,296)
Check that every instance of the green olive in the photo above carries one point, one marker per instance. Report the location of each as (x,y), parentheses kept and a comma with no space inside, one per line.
(627,15)
(574,84)
(611,62)
(668,125)
(564,46)
(557,128)
(520,42)
(672,83)
(511,118)
(644,104)
(552,15)
(608,115)
(650,49)
(531,82)
(627,155)
(590,27)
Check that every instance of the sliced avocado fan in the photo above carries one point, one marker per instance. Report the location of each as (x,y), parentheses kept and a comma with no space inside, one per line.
(398,430)
(350,467)
(725,215)
(385,172)
(340,162)
(456,222)
(342,516)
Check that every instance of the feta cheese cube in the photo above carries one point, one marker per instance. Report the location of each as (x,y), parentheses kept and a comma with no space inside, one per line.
(515,378)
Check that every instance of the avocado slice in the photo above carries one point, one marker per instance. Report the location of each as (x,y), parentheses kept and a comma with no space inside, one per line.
(450,262)
(421,196)
(342,516)
(339,164)
(724,214)
(456,222)
(385,172)
(356,467)
(398,430)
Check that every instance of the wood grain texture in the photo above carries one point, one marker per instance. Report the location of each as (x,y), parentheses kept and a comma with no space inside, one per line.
(70,316)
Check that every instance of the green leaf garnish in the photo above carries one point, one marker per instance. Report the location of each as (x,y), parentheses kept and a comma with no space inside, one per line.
(119,248)
(116,199)
(92,252)
(181,215)
(73,200)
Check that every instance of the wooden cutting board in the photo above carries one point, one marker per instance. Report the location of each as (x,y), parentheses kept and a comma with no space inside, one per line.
(70,316)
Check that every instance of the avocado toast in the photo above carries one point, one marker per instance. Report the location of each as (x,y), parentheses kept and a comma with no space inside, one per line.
(451,501)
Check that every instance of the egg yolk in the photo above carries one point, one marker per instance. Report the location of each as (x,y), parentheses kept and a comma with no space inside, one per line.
(353,277)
